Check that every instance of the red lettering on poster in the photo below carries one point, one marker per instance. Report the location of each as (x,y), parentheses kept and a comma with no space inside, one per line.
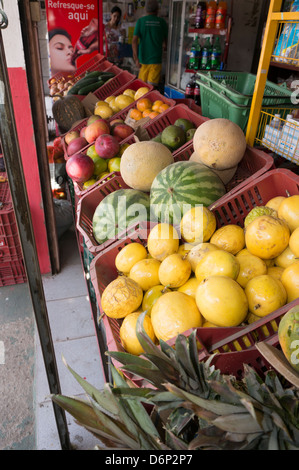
(73,30)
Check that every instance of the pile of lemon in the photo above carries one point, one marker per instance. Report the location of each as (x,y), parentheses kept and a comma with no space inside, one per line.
(201,275)
(113,104)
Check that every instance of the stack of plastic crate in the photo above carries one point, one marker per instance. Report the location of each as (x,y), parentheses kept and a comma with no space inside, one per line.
(12,269)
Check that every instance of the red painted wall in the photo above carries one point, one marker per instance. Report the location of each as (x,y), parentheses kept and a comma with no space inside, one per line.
(22,111)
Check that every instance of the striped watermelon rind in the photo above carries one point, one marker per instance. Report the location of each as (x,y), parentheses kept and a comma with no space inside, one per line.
(183,185)
(118,211)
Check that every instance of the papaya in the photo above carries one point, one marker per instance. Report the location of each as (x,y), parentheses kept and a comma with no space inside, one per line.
(288,336)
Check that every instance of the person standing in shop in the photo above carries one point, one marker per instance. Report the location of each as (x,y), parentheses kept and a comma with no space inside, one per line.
(115,35)
(149,40)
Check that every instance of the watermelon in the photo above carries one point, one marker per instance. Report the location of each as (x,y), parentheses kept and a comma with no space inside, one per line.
(180,186)
(118,211)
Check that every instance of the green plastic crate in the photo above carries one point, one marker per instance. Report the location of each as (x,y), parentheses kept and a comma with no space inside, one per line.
(239,87)
(215,104)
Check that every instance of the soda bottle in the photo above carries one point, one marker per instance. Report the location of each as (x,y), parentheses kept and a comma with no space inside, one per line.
(197,94)
(198,54)
(192,57)
(211,15)
(189,93)
(206,55)
(221,15)
(216,55)
(200,16)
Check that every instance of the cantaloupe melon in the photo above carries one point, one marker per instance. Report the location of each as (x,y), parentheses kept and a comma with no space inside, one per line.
(224,175)
(142,161)
(220,143)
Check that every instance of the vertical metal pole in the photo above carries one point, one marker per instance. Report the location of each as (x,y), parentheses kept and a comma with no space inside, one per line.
(14,169)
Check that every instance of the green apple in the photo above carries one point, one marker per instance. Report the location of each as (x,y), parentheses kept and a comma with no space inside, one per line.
(114,164)
(100,164)
(103,175)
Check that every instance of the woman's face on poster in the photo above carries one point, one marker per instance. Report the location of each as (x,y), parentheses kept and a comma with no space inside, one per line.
(61,50)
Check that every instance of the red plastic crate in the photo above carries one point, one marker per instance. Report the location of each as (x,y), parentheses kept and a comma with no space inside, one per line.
(10,245)
(90,64)
(190,103)
(232,346)
(86,207)
(12,273)
(115,85)
(152,96)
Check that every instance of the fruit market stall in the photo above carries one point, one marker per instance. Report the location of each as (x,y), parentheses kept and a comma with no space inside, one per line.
(181,223)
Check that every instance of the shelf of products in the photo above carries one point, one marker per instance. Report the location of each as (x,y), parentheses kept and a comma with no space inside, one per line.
(279,48)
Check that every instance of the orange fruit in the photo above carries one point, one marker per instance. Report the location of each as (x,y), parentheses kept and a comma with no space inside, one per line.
(163,107)
(146,112)
(135,114)
(153,114)
(143,104)
(156,105)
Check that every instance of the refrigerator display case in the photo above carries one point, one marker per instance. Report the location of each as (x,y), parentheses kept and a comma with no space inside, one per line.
(180,37)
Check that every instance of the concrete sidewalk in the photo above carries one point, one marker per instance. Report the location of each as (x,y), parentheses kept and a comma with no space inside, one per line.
(26,411)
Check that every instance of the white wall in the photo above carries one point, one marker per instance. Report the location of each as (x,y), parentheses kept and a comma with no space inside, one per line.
(12,37)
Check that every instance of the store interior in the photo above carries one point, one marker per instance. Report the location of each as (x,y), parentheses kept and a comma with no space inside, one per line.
(55,314)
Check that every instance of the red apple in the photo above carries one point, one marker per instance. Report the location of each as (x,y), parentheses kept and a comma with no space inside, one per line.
(82,131)
(122,131)
(70,136)
(107,146)
(76,145)
(80,167)
(95,129)
(114,123)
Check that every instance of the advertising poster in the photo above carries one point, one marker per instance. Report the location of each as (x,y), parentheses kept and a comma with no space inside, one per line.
(73,33)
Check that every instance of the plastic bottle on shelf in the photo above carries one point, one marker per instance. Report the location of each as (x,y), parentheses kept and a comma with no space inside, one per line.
(200,16)
(197,94)
(189,92)
(221,15)
(216,55)
(193,55)
(211,15)
(205,63)
(198,54)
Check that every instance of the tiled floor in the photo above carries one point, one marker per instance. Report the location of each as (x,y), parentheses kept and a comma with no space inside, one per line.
(26,410)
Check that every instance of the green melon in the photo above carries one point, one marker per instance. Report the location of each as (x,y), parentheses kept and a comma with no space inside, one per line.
(118,211)
(181,186)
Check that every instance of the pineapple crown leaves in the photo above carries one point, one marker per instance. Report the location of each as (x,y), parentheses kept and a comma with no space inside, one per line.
(117,422)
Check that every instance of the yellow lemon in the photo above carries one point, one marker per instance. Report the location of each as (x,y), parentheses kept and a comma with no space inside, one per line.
(113,105)
(294,242)
(267,237)
(222,301)
(290,280)
(274,203)
(184,249)
(217,263)
(140,92)
(122,101)
(127,333)
(198,225)
(105,112)
(289,211)
(129,92)
(250,266)
(128,256)
(275,271)
(174,271)
(151,296)
(163,240)
(208,324)
(190,287)
(108,99)
(265,294)
(102,103)
(146,273)
(198,251)
(285,258)
(174,313)
(229,238)
(121,297)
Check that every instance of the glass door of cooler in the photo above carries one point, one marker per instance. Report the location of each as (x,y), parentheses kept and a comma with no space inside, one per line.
(179,43)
